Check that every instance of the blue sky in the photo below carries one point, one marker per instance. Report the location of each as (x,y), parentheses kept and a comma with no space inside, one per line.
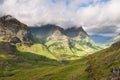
(99,17)
(66,1)
(83,4)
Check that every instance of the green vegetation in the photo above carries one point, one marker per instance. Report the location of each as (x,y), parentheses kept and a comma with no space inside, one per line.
(23,57)
(71,48)
(95,66)
(12,61)
(69,44)
(37,48)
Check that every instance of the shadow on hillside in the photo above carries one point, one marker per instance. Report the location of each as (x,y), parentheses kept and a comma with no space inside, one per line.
(14,60)
(26,57)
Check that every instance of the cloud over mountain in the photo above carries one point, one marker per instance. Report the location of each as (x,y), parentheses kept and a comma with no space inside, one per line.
(97,16)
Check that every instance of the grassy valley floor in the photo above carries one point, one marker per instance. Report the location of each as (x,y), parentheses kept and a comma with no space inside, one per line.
(96,66)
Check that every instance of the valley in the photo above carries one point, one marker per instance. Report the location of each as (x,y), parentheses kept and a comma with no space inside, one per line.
(50,52)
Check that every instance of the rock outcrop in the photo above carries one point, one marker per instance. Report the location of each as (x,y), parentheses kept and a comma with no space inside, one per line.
(12,30)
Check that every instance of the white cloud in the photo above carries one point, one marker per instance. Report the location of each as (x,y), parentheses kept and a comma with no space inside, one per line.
(96,15)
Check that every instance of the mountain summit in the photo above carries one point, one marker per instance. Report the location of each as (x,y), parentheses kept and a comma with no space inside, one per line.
(7,17)
(74,32)
(49,29)
(12,30)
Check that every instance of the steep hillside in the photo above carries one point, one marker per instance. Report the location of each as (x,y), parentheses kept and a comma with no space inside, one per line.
(65,43)
(44,31)
(18,49)
(57,43)
(13,61)
(12,30)
(74,32)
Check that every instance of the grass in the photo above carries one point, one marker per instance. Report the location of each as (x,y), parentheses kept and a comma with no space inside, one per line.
(12,63)
(73,49)
(95,66)
(37,49)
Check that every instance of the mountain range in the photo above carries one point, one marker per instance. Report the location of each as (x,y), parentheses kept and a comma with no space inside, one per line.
(65,42)
(48,40)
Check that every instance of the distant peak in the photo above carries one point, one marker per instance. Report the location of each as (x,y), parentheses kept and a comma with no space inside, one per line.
(75,32)
(49,25)
(7,17)
(75,28)
(80,27)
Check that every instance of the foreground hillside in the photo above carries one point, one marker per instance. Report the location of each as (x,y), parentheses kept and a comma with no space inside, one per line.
(13,61)
(97,66)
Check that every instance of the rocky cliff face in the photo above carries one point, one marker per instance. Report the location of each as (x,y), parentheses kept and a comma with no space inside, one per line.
(12,30)
(75,32)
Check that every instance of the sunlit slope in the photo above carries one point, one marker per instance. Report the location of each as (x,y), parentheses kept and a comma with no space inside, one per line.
(17,33)
(13,60)
(93,67)
(37,48)
(71,43)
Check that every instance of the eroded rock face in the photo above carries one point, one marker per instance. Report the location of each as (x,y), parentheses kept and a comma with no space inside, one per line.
(75,32)
(13,30)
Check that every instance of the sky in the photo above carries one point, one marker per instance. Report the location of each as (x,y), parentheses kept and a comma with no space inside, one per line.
(98,17)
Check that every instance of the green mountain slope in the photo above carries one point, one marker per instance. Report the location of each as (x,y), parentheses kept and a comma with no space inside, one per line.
(54,42)
(36,48)
(97,66)
(71,43)
(20,59)
(13,61)
(17,33)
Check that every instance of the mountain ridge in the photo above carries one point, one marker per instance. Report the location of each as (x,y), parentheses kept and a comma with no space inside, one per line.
(57,43)
(75,30)
(65,41)
(13,30)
